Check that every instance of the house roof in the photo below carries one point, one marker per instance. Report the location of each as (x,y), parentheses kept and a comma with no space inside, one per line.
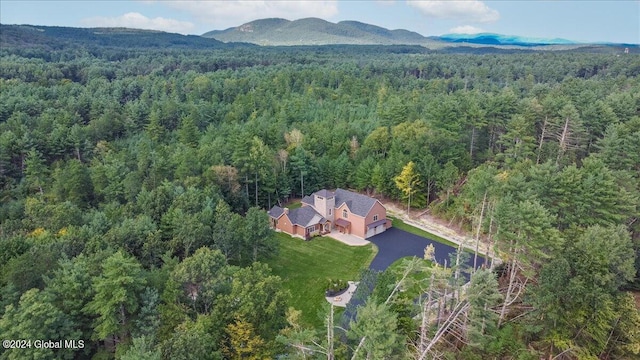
(376,223)
(324,193)
(305,216)
(357,203)
(275,212)
(343,222)
(308,200)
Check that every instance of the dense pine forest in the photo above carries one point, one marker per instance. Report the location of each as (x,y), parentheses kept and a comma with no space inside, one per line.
(133,184)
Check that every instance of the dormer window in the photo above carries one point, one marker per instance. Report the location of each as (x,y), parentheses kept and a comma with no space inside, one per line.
(345,214)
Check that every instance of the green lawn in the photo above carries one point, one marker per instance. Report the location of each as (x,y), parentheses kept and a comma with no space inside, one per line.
(294,205)
(397,223)
(306,266)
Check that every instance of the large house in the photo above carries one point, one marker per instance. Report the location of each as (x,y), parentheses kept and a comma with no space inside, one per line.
(325,211)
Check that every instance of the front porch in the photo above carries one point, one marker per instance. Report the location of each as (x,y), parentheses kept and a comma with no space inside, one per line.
(343,226)
(317,230)
(325,228)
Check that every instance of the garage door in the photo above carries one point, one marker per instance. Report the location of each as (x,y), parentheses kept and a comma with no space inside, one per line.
(371,232)
(375,230)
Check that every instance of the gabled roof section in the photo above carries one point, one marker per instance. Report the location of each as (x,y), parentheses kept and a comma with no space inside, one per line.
(275,212)
(308,200)
(305,216)
(357,203)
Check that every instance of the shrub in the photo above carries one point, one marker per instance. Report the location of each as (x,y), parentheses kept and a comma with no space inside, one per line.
(335,287)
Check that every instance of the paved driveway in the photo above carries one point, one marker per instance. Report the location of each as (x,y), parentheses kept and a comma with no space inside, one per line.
(394,244)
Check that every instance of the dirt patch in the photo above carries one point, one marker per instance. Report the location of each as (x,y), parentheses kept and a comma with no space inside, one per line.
(424,219)
(636,296)
(425,216)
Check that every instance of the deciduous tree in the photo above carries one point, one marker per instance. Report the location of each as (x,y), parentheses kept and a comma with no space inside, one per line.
(408,182)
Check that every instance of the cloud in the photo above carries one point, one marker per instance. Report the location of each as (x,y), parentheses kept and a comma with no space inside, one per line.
(466,29)
(139,21)
(223,14)
(468,10)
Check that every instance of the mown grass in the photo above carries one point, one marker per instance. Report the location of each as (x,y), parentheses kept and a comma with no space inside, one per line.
(294,205)
(306,266)
(397,223)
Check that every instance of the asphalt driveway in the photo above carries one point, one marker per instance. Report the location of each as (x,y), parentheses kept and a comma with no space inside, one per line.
(394,244)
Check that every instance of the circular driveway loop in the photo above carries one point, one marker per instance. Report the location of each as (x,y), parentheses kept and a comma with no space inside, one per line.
(394,244)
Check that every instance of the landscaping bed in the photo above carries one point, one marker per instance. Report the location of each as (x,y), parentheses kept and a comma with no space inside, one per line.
(336,287)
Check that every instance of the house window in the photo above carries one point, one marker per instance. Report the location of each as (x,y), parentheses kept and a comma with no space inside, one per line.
(375,217)
(329,212)
(344,213)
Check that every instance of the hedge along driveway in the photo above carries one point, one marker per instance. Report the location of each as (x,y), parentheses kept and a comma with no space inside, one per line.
(395,244)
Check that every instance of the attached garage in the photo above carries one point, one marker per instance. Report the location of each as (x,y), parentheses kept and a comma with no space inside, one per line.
(376,227)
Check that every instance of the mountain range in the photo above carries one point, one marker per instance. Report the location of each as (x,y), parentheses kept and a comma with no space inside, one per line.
(58,37)
(314,31)
(282,32)
(498,39)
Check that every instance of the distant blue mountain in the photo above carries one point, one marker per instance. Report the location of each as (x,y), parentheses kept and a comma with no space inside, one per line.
(497,39)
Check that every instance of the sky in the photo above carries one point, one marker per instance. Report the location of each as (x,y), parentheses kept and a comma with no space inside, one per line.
(577,20)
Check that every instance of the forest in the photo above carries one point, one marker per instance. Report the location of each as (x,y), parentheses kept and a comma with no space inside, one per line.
(133,184)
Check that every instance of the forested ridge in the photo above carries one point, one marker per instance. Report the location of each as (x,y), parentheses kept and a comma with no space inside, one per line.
(133,184)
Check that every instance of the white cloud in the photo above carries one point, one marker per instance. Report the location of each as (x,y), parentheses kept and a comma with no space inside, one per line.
(224,14)
(469,10)
(466,29)
(138,21)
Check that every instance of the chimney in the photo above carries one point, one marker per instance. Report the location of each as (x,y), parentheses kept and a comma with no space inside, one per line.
(286,211)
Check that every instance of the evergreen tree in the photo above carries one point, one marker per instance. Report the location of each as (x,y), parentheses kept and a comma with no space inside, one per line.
(375,332)
(483,297)
(188,132)
(201,278)
(260,241)
(73,183)
(36,172)
(35,318)
(116,298)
